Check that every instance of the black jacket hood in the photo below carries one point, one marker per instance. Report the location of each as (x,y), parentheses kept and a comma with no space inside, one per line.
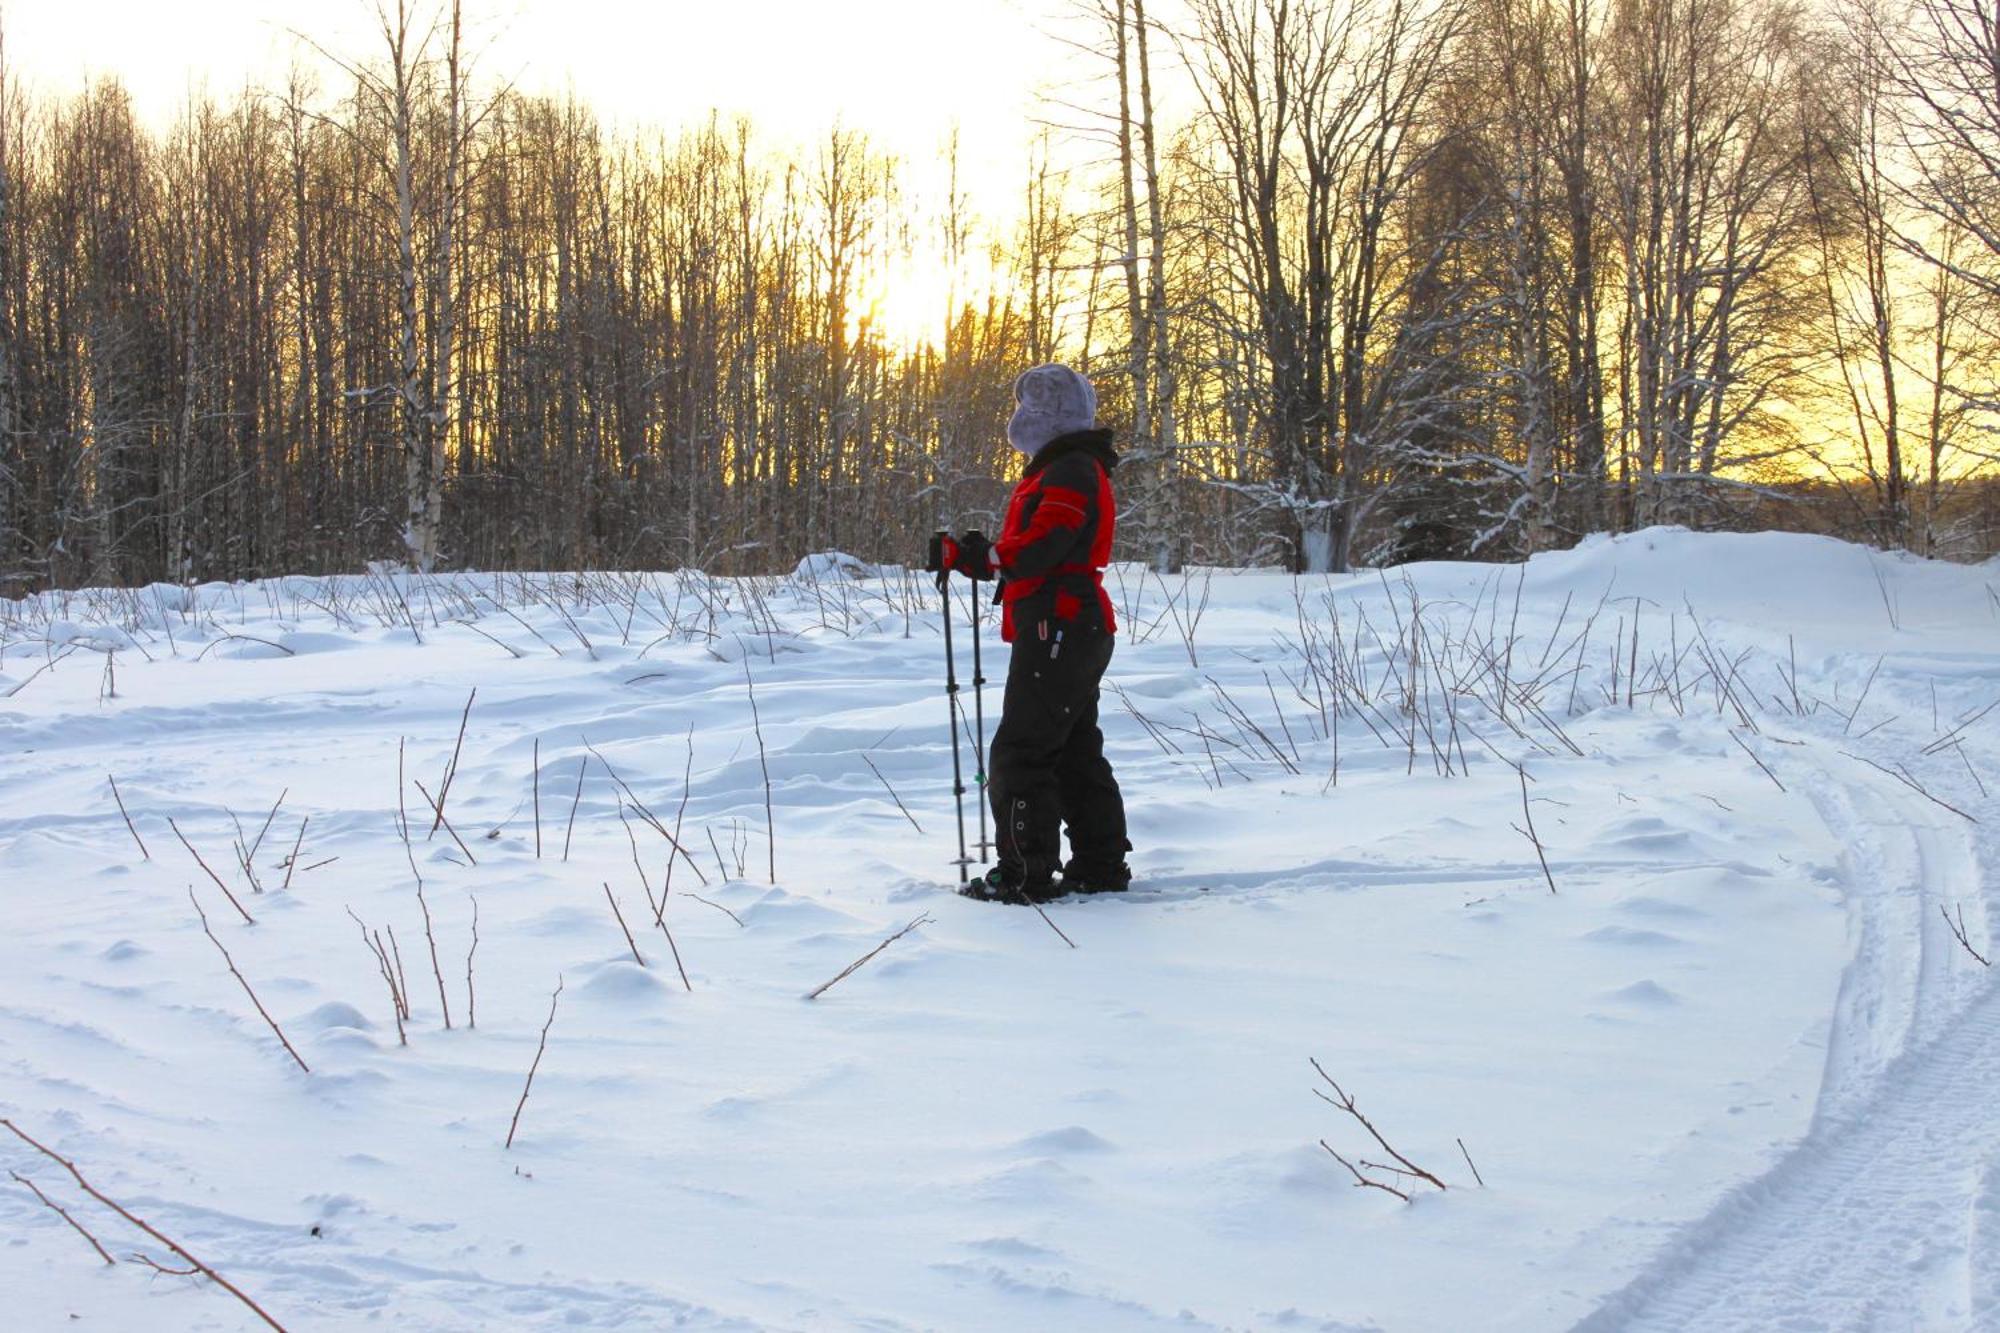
(1095,442)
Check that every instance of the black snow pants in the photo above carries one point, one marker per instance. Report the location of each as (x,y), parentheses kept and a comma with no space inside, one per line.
(1046,767)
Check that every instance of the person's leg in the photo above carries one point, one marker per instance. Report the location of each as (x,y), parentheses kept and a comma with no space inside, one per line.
(1092,806)
(1020,767)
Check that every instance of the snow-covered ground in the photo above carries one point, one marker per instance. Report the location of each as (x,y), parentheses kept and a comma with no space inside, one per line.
(1736,1072)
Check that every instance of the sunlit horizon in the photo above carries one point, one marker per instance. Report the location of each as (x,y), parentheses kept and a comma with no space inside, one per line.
(898,71)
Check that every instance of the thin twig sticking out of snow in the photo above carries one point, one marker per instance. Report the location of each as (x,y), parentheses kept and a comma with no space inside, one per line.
(399,1006)
(1951,737)
(718,907)
(128,818)
(430,936)
(1050,922)
(450,772)
(240,980)
(675,949)
(1958,933)
(680,819)
(158,1267)
(63,1213)
(248,920)
(1910,782)
(1529,832)
(436,803)
(115,1207)
(471,996)
(892,793)
(763,763)
(575,801)
(640,808)
(292,861)
(1343,1101)
(858,963)
(257,843)
(1361,1181)
(612,898)
(543,1046)
(1755,760)
(1468,1161)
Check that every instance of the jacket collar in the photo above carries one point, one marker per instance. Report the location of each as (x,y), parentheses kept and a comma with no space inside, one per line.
(1095,442)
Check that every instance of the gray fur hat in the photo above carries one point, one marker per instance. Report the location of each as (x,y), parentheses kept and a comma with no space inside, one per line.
(1053,401)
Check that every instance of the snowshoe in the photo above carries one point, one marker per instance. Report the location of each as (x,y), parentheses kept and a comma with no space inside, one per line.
(1008,884)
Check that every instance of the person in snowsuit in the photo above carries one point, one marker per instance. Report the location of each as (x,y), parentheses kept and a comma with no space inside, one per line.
(1046,767)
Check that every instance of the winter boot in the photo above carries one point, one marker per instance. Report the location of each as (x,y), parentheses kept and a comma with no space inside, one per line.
(1092,879)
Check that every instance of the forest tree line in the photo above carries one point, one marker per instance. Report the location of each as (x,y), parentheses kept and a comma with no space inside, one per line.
(1395,279)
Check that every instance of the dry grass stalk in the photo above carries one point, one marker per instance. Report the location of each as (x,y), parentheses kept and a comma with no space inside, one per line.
(1344,1102)
(292,861)
(146,1260)
(718,907)
(398,1005)
(1901,775)
(258,841)
(632,944)
(1049,921)
(63,1213)
(243,856)
(436,803)
(248,920)
(1755,760)
(402,977)
(403,818)
(858,963)
(241,981)
(430,936)
(892,793)
(451,770)
(680,818)
(575,801)
(645,812)
(1958,933)
(1468,1162)
(471,996)
(128,819)
(764,764)
(140,1223)
(529,1086)
(1529,832)
(1952,736)
(673,948)
(1361,1181)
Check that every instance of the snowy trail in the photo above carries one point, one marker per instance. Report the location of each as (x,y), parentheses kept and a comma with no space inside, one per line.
(1887,1216)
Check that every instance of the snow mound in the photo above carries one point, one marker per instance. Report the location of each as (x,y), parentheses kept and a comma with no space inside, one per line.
(334,1014)
(1060,1142)
(827,565)
(622,983)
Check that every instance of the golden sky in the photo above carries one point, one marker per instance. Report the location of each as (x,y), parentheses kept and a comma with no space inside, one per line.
(904,71)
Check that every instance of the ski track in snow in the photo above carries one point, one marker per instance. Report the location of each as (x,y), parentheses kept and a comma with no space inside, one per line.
(1886,1217)
(1697,1105)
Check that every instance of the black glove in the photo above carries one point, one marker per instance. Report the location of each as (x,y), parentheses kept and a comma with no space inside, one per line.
(970,554)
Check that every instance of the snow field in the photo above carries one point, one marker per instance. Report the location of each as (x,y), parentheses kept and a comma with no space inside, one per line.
(1740,1023)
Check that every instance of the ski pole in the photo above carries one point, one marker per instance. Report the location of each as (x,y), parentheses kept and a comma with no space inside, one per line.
(943,573)
(979,726)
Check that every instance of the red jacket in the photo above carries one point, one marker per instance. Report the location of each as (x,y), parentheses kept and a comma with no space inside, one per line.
(1056,541)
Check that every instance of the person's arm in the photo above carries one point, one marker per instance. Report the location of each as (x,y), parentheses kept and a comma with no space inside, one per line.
(1061,525)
